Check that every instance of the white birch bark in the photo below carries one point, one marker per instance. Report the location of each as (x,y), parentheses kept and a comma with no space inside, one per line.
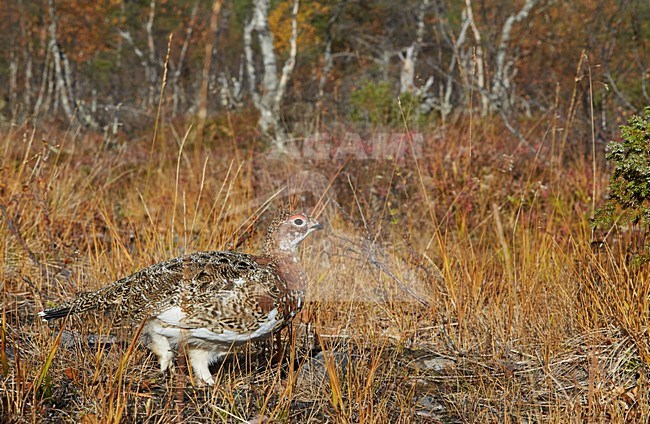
(148,59)
(445,102)
(502,94)
(61,88)
(51,102)
(407,75)
(28,57)
(269,99)
(64,91)
(13,81)
(150,73)
(45,81)
(327,66)
(478,71)
(153,76)
(231,90)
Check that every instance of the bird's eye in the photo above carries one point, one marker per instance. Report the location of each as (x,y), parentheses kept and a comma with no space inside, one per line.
(298,221)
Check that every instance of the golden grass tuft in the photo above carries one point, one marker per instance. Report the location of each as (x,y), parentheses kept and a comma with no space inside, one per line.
(456,286)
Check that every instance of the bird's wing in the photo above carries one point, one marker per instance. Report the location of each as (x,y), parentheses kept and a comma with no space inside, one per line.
(178,282)
(234,293)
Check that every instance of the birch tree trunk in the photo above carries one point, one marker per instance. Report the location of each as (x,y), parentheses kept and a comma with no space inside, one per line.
(268,99)
(478,61)
(147,60)
(445,97)
(45,81)
(64,92)
(407,75)
(327,66)
(496,94)
(29,75)
(62,89)
(149,71)
(502,93)
(13,81)
(151,68)
(443,103)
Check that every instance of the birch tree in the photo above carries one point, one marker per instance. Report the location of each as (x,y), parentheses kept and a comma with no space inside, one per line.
(147,59)
(478,60)
(407,76)
(443,103)
(62,86)
(267,98)
(502,89)
(497,94)
(63,76)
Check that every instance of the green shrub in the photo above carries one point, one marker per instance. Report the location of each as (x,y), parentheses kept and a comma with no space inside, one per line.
(629,184)
(375,103)
(372,103)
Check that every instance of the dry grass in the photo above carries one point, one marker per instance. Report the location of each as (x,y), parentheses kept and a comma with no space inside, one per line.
(458,288)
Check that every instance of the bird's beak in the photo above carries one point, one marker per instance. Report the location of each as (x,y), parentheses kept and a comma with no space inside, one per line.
(316,226)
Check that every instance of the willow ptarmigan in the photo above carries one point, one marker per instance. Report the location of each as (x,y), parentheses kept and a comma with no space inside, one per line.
(208,301)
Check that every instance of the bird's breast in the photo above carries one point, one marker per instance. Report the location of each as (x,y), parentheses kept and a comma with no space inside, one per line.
(173,329)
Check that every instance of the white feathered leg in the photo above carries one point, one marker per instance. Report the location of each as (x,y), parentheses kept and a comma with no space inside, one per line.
(158,344)
(201,359)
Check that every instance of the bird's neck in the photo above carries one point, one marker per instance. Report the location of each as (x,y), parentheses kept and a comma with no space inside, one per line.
(287,266)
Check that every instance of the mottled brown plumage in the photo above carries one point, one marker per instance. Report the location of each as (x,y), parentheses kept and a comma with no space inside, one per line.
(208,301)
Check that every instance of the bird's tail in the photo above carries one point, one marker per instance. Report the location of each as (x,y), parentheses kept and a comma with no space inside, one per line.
(55,313)
(84,302)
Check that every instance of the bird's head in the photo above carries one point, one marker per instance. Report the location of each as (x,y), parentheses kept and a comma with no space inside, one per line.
(287,230)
